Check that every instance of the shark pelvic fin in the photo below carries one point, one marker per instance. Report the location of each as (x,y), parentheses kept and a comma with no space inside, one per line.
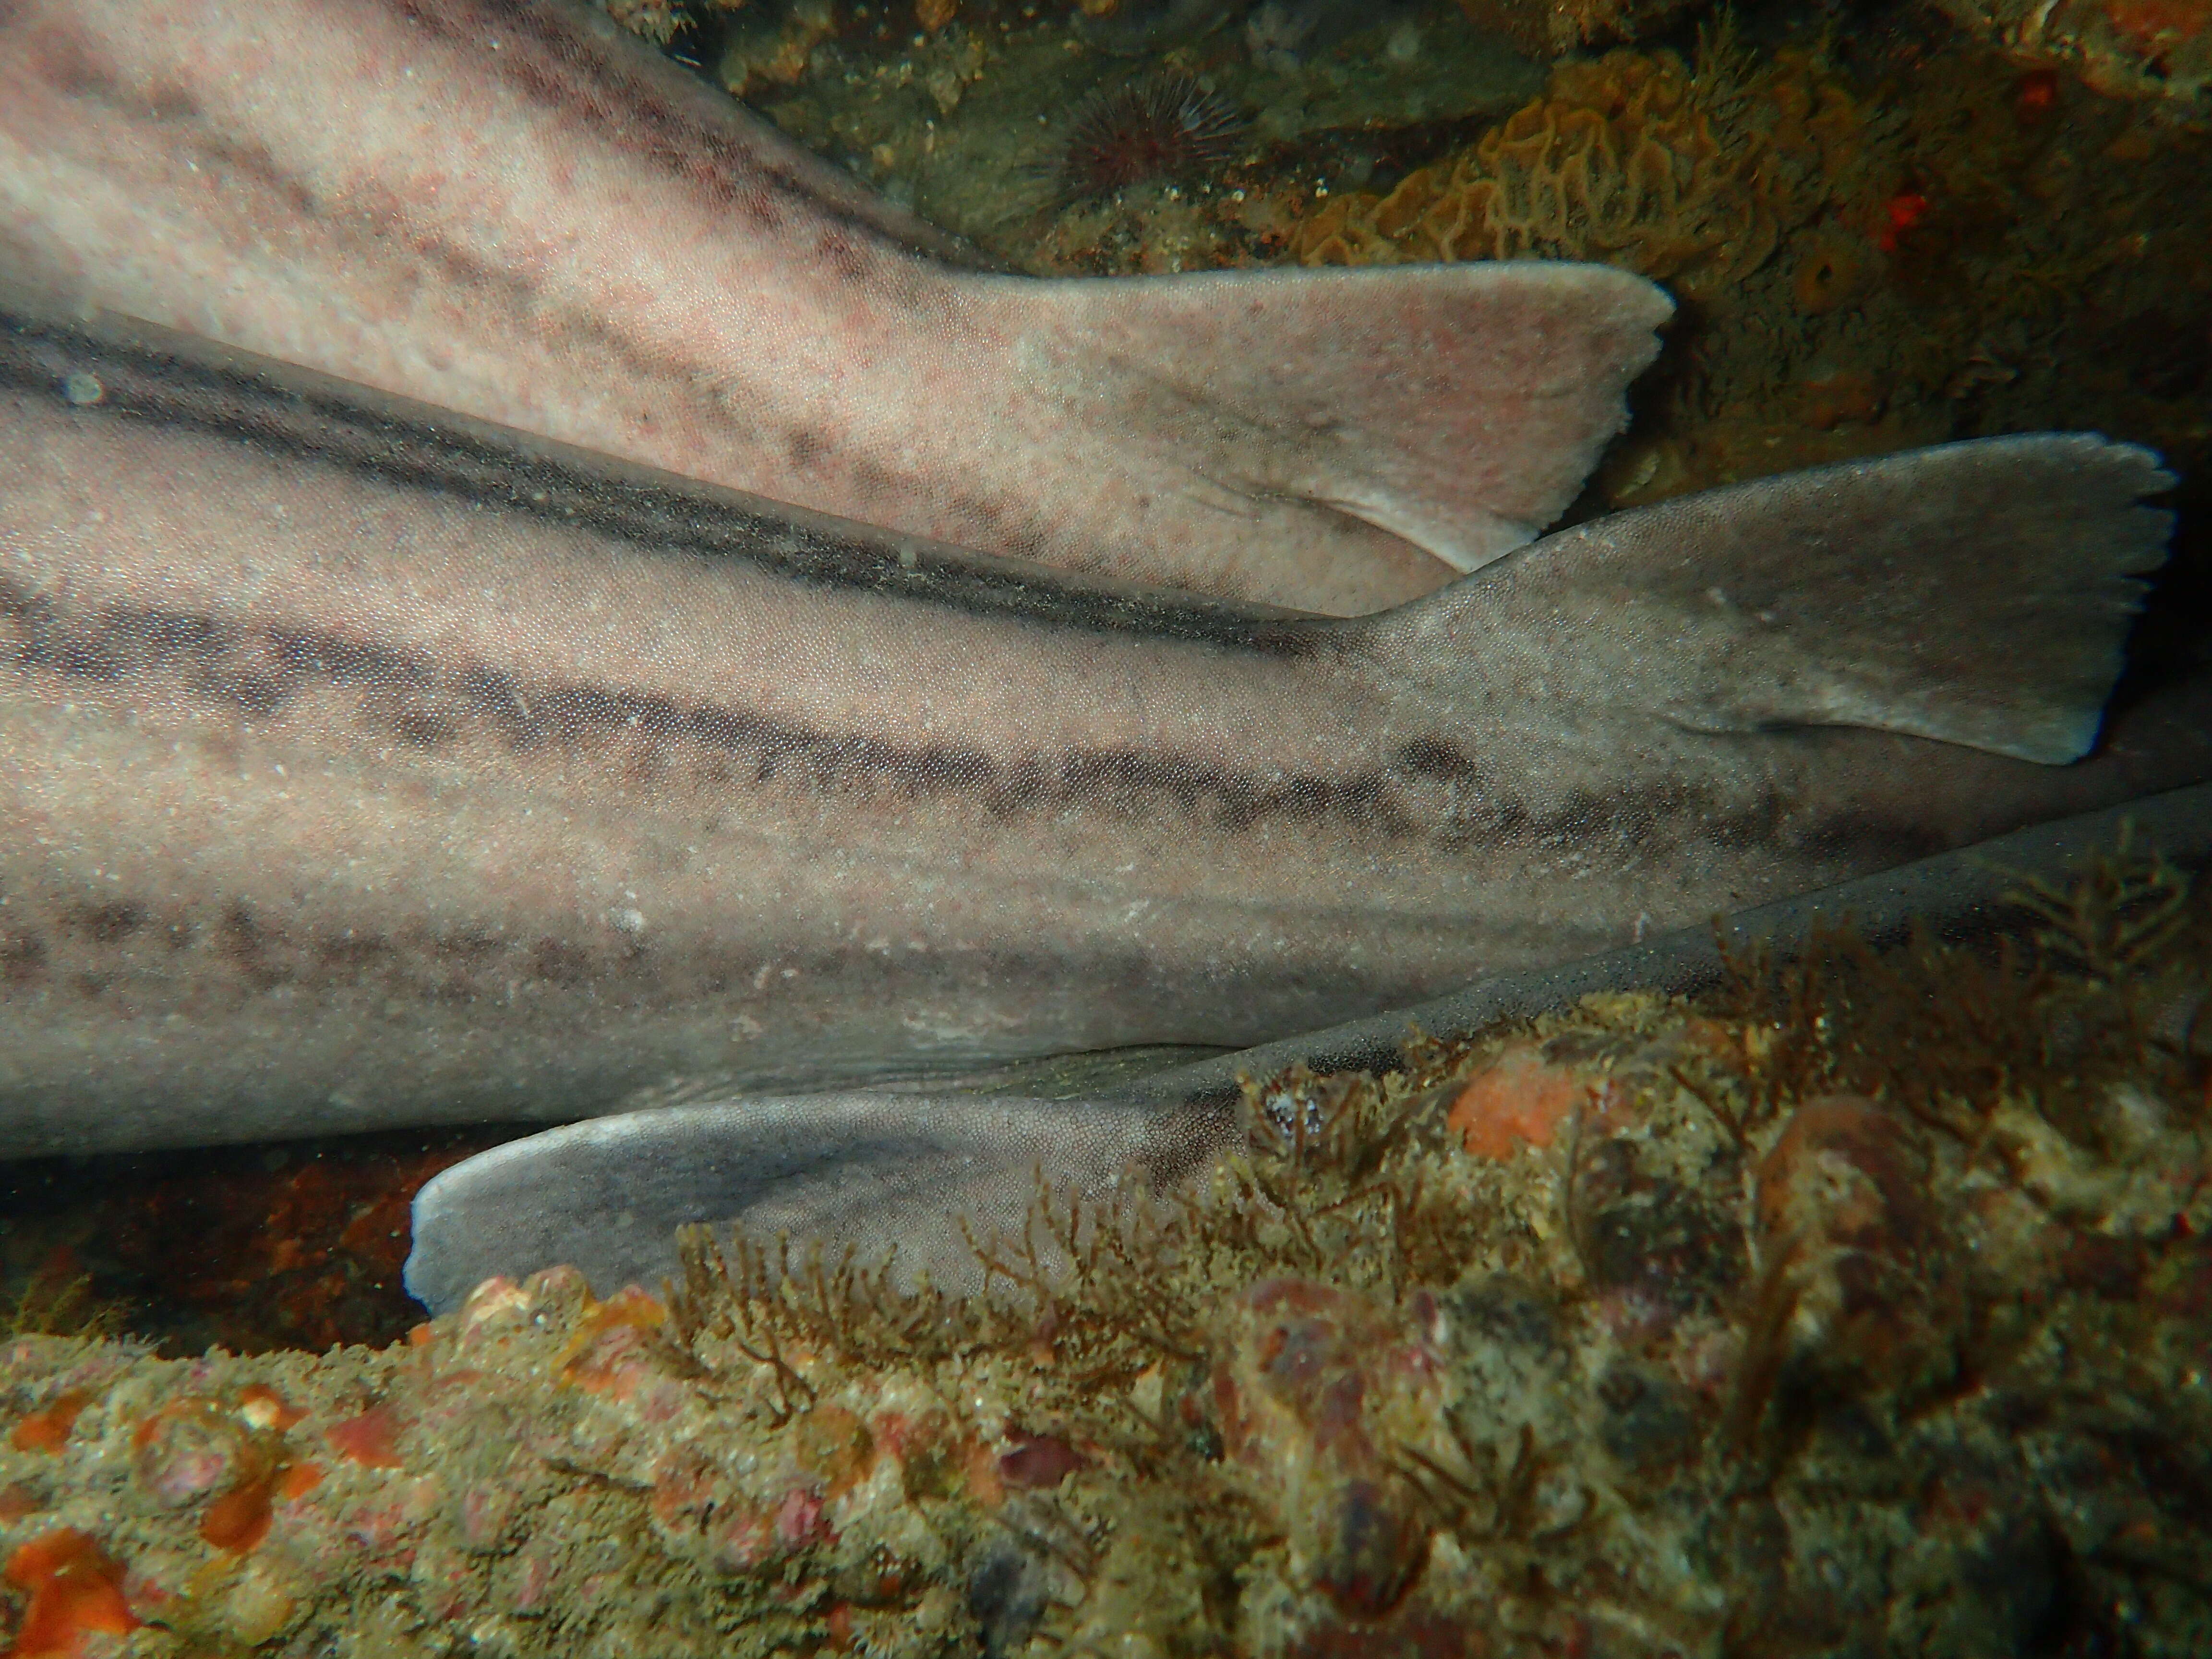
(1978,593)
(870,1173)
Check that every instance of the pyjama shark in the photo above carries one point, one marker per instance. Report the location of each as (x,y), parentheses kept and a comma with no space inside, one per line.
(519,212)
(366,765)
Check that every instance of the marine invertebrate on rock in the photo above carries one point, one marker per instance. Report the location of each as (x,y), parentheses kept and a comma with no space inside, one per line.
(1625,160)
(658,21)
(48,1430)
(1857,1287)
(1304,1382)
(1166,127)
(776,49)
(76,1591)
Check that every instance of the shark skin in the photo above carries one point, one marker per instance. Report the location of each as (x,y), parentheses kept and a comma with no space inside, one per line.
(364,765)
(513,210)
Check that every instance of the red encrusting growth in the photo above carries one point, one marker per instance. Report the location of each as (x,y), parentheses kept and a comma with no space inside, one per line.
(76,1591)
(1901,214)
(48,1430)
(370,1439)
(1038,1462)
(2036,97)
(239,1520)
(1521,1100)
(611,1339)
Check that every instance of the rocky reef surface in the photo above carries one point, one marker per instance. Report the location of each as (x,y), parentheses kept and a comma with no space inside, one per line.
(1860,1307)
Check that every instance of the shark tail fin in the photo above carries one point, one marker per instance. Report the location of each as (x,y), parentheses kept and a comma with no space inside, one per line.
(1978,593)
(1458,407)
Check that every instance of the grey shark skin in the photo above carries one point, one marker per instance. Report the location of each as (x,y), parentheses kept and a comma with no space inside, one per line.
(512,208)
(921,1176)
(361,765)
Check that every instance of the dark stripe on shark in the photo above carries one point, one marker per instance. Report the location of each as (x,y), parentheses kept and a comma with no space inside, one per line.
(368,232)
(371,230)
(242,407)
(121,949)
(568,73)
(1430,790)
(705,154)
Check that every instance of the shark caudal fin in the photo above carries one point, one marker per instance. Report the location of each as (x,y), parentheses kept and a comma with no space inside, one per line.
(1978,594)
(1459,407)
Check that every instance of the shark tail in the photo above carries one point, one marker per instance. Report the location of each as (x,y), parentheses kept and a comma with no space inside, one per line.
(1459,407)
(1978,593)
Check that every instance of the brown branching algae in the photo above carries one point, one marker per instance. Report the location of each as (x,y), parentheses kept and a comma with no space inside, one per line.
(1861,1308)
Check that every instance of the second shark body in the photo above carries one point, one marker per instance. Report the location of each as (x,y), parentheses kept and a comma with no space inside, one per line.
(512,208)
(364,765)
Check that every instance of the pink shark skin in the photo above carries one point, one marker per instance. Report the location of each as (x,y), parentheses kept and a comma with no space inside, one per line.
(516,211)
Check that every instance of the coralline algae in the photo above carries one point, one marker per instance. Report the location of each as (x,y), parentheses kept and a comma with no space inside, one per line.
(1859,1310)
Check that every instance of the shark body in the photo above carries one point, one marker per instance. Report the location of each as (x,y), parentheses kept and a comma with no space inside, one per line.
(363,765)
(513,210)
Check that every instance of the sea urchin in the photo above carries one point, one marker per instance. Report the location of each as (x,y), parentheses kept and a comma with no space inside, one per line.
(1164,127)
